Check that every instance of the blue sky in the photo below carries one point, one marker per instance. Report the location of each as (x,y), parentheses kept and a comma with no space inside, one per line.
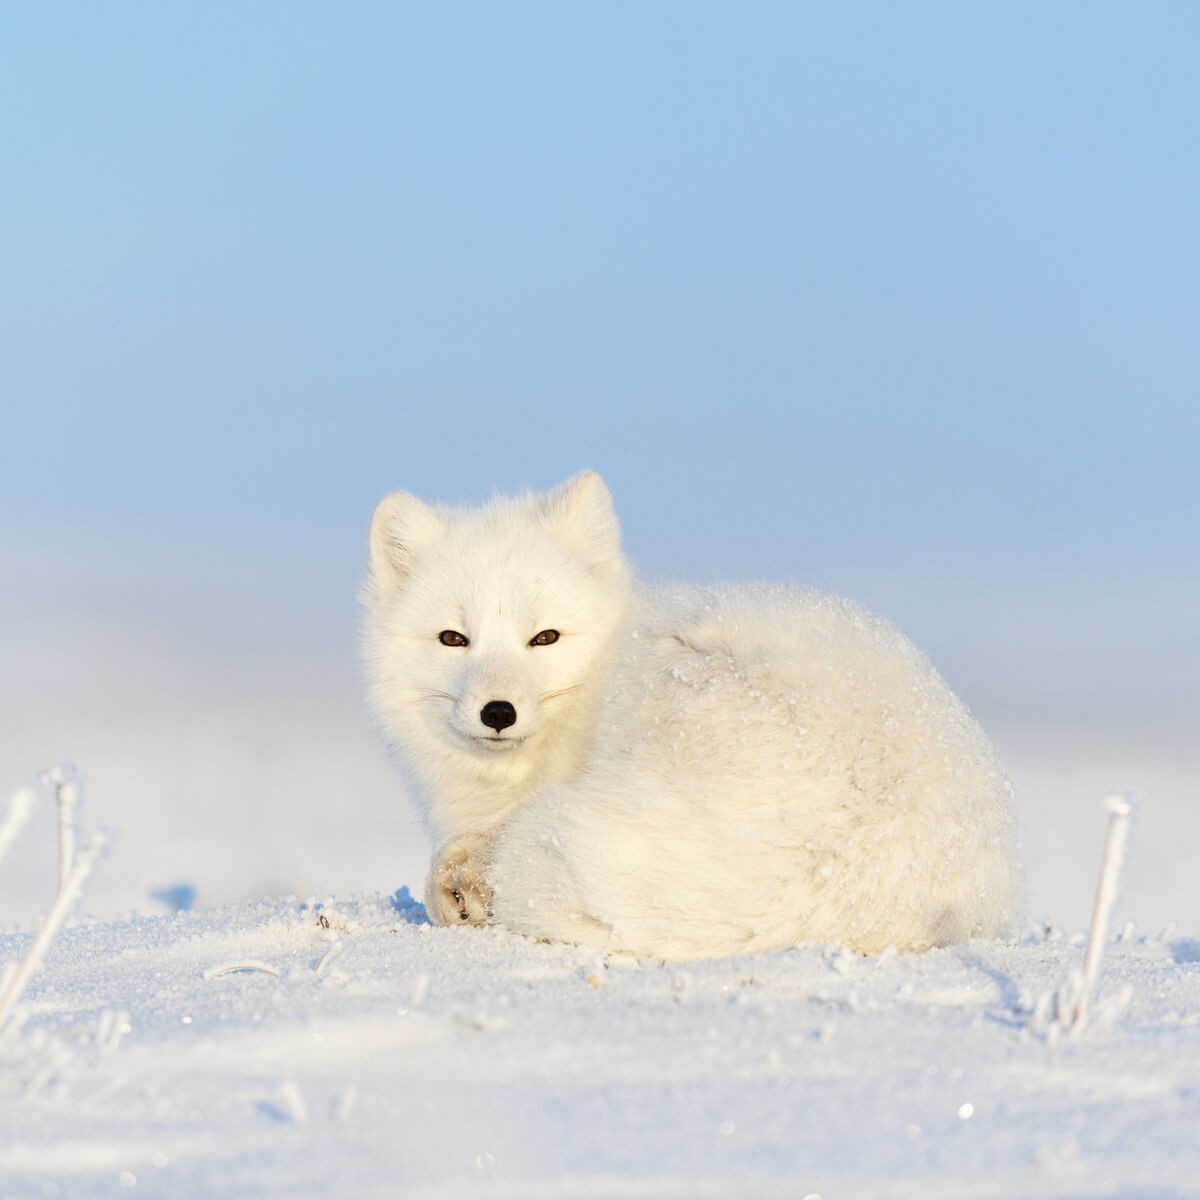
(914,281)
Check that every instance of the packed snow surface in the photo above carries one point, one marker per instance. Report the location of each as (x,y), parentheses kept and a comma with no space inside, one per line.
(346,1047)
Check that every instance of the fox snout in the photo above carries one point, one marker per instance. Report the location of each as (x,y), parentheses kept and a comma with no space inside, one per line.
(498,715)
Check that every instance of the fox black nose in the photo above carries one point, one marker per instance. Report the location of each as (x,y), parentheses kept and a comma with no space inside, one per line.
(498,715)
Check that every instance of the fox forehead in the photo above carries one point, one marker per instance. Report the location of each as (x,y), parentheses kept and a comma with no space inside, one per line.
(496,585)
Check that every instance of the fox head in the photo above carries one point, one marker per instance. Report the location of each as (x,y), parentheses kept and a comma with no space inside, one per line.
(487,628)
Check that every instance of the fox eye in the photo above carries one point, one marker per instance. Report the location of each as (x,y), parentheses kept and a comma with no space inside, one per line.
(546,638)
(451,637)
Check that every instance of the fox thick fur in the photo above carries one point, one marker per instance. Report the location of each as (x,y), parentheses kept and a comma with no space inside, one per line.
(674,773)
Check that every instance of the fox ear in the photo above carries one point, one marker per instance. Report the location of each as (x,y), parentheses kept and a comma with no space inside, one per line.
(401,526)
(582,510)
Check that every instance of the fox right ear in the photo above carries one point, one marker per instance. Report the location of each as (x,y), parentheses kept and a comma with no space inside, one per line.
(400,527)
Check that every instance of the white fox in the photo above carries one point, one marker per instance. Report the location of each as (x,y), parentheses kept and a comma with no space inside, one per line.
(675,773)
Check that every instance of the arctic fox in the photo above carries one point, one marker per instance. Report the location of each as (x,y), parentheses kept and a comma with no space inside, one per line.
(675,773)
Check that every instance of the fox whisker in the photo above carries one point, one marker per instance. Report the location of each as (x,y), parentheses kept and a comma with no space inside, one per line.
(574,687)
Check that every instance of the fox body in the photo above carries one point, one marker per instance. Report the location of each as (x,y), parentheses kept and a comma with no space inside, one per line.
(677,773)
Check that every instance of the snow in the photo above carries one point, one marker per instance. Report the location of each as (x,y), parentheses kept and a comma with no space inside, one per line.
(413,1058)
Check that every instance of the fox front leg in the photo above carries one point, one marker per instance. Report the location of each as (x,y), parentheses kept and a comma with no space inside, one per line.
(457,892)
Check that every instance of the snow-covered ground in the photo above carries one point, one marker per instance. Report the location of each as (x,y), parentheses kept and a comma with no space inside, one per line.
(370,1054)
(214,707)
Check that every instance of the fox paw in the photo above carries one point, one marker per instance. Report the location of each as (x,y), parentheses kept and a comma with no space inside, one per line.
(457,892)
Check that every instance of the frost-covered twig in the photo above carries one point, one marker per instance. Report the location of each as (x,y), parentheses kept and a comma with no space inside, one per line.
(56,914)
(67,787)
(244,964)
(335,948)
(20,805)
(1119,810)
(1070,1009)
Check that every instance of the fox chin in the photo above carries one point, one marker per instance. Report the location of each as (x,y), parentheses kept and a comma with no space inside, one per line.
(673,772)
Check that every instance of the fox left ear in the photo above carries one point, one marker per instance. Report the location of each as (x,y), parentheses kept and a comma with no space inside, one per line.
(582,509)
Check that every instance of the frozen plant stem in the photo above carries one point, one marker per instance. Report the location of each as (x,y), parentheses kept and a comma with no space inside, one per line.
(56,914)
(247,964)
(68,804)
(65,782)
(1119,809)
(1070,1009)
